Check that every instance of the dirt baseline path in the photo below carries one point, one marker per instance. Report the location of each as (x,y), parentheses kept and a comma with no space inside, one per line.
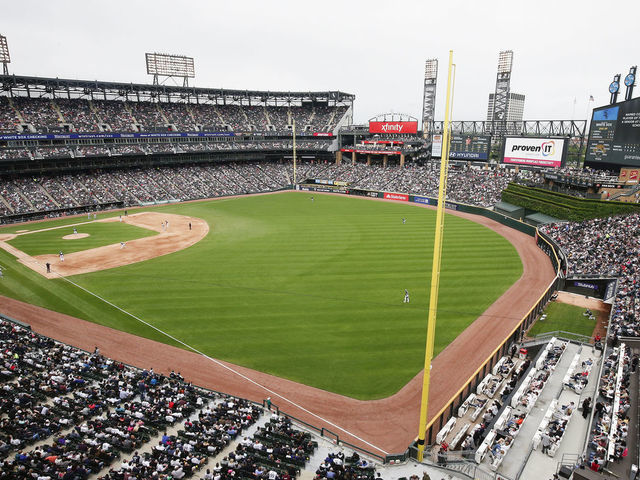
(177,236)
(383,426)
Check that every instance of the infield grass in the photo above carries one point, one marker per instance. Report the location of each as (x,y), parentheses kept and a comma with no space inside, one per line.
(100,234)
(310,291)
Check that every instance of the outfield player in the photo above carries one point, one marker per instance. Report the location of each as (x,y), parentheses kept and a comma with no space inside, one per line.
(404,220)
(406,296)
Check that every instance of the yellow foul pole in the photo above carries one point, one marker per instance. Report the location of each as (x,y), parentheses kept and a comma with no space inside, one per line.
(294,152)
(435,270)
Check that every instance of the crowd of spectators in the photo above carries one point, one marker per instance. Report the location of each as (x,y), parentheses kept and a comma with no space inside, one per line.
(132,186)
(83,115)
(608,247)
(68,413)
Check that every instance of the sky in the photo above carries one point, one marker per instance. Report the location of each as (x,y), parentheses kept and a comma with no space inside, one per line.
(564,50)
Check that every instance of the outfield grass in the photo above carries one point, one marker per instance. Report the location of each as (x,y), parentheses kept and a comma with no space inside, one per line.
(310,291)
(100,234)
(568,318)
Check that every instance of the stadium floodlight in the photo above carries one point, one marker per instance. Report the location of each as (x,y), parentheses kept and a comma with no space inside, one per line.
(170,66)
(5,58)
(429,97)
(431,69)
(505,61)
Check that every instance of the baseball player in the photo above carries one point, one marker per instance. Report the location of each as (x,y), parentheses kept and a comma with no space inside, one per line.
(404,220)
(61,256)
(75,231)
(122,245)
(406,296)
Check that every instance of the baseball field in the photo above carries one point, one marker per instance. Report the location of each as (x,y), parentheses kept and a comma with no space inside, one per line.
(307,290)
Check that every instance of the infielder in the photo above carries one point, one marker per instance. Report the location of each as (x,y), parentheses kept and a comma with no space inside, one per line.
(61,256)
(122,245)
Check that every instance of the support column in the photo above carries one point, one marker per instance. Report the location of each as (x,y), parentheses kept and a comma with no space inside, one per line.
(353,158)
(338,157)
(402,159)
(368,159)
(385,158)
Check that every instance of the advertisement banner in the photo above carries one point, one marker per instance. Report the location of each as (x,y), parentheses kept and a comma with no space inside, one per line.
(539,152)
(436,146)
(323,134)
(73,136)
(393,127)
(424,200)
(396,196)
(373,152)
(629,176)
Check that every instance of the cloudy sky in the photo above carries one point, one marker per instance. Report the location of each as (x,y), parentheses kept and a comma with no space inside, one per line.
(564,51)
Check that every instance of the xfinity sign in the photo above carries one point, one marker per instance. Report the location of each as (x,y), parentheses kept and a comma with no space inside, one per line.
(538,152)
(393,127)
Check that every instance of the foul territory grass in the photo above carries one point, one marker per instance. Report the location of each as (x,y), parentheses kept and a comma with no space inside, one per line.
(307,290)
(100,234)
(568,318)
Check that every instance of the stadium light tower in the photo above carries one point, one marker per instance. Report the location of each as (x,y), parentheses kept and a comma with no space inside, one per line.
(429,101)
(503,87)
(162,64)
(5,58)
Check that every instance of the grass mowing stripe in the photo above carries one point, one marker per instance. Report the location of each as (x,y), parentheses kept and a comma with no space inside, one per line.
(313,291)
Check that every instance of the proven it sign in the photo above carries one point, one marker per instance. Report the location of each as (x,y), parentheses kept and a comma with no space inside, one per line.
(393,127)
(539,152)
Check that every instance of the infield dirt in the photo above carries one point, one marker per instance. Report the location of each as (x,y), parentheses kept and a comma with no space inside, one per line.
(177,236)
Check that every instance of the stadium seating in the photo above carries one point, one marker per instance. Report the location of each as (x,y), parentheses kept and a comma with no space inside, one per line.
(81,115)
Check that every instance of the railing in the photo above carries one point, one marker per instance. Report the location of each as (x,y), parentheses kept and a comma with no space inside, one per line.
(563,334)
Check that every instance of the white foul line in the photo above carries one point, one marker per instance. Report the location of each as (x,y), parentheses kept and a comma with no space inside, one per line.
(241,375)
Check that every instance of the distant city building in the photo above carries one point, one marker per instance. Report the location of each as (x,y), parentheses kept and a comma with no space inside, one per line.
(515,107)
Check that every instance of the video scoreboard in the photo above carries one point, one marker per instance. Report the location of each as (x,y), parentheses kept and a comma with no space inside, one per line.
(614,136)
(464,147)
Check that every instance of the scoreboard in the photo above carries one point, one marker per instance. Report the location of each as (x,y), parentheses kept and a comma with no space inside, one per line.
(463,147)
(614,136)
(469,147)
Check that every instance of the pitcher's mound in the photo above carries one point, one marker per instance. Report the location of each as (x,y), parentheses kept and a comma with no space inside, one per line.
(75,236)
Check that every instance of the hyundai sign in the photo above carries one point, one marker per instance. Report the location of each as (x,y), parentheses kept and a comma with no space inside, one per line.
(537,152)
(393,127)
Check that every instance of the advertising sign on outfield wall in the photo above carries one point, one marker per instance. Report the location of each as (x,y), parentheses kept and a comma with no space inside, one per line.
(393,127)
(419,199)
(538,152)
(396,196)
